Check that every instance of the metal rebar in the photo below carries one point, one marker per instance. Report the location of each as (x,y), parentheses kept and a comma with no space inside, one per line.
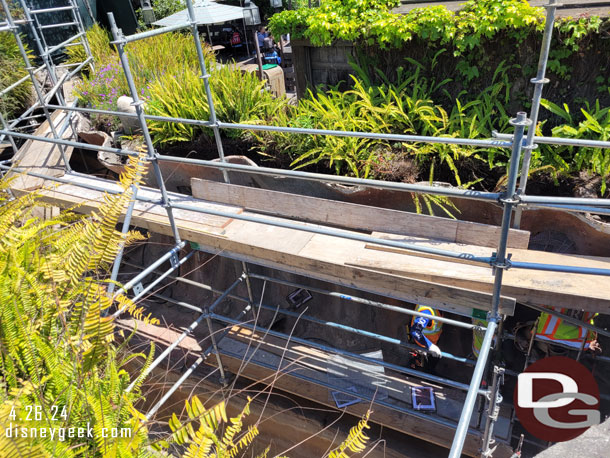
(539,83)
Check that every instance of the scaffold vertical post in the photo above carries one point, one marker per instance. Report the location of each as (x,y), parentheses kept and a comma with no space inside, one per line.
(119,41)
(539,81)
(499,264)
(37,88)
(205,76)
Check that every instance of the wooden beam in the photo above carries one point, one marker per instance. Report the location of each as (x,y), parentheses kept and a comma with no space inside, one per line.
(448,285)
(354,216)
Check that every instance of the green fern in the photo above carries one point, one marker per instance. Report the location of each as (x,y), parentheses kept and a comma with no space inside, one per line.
(356,440)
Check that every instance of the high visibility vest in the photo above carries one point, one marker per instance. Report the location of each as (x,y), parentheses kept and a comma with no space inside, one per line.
(477,337)
(555,330)
(434,329)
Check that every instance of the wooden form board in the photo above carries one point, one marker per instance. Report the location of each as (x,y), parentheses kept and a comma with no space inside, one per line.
(354,216)
(42,157)
(298,362)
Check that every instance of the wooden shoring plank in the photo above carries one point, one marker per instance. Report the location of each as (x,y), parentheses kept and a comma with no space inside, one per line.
(254,242)
(354,216)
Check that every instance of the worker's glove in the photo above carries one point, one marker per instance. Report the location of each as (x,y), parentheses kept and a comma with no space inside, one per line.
(434,351)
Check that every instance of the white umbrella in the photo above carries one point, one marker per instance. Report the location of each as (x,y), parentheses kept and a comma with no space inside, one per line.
(206,12)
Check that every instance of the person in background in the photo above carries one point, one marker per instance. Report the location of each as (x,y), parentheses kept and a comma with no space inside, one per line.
(235,38)
(554,330)
(261,35)
(425,332)
(271,56)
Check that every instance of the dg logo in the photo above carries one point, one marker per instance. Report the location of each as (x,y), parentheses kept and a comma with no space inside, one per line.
(557,399)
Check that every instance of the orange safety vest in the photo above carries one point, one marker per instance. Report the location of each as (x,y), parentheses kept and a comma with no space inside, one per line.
(555,330)
(434,329)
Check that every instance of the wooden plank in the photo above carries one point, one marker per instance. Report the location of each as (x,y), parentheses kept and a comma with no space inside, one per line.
(354,216)
(574,291)
(444,284)
(42,157)
(296,360)
(145,215)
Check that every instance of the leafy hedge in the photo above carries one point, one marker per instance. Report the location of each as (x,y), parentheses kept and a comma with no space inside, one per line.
(372,21)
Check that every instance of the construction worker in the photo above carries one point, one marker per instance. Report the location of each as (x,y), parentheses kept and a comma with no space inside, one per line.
(554,330)
(425,331)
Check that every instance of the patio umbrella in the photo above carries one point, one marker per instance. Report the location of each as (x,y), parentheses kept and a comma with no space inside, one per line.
(206,12)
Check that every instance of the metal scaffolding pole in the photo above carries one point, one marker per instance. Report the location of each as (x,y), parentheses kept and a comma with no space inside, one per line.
(500,264)
(205,76)
(37,88)
(205,315)
(539,83)
(119,41)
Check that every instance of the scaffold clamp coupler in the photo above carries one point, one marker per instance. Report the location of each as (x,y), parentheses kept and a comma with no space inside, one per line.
(506,264)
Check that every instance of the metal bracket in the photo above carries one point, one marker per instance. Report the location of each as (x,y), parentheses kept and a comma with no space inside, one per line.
(138,288)
(500,265)
(174,260)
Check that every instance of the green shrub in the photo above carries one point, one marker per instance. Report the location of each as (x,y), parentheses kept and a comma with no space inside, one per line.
(12,69)
(99,43)
(238,98)
(164,8)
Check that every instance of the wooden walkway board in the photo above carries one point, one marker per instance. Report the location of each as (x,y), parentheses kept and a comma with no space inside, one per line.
(305,372)
(529,286)
(42,157)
